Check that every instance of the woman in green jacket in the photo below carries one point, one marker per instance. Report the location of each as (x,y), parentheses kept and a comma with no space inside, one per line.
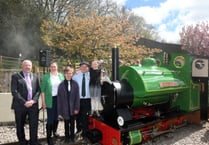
(49,88)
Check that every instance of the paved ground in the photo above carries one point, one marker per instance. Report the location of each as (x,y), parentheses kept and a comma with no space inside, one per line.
(8,135)
(191,134)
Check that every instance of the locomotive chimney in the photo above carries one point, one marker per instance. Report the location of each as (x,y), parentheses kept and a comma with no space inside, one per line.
(115,64)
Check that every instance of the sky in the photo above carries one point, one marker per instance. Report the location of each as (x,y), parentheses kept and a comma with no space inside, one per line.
(169,16)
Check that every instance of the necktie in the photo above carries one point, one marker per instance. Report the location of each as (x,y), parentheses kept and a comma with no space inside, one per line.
(28,82)
(83,93)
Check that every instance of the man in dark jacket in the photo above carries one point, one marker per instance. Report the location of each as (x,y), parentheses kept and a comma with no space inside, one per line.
(68,103)
(25,90)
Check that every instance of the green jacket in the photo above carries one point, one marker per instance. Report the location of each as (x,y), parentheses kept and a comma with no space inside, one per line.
(46,88)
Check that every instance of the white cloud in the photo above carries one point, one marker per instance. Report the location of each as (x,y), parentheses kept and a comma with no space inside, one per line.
(120,2)
(170,16)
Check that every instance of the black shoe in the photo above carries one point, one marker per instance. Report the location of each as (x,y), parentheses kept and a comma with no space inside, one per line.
(35,143)
(72,139)
(50,141)
(97,114)
(67,140)
(25,142)
(56,135)
(54,129)
(84,140)
(78,136)
(91,113)
(79,133)
(21,143)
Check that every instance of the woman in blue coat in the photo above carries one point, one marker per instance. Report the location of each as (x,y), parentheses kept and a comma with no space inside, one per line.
(68,103)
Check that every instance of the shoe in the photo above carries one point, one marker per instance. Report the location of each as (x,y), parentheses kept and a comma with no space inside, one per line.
(78,133)
(35,143)
(67,140)
(72,140)
(54,129)
(78,137)
(92,113)
(50,141)
(56,135)
(49,134)
(97,113)
(84,140)
(24,142)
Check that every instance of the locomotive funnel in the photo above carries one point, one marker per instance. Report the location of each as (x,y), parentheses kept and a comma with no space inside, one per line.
(115,64)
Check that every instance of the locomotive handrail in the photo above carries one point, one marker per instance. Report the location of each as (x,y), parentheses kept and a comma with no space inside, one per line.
(161,72)
(114,98)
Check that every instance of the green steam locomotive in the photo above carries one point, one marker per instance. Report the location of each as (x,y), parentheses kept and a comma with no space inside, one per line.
(142,102)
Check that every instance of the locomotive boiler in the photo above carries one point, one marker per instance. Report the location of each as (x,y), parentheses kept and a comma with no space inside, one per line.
(149,100)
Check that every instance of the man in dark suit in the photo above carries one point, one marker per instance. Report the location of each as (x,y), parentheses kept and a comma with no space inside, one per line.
(25,90)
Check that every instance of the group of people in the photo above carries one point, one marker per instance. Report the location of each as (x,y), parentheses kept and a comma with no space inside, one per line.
(73,96)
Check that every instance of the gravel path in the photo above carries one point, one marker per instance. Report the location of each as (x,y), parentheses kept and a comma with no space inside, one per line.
(189,135)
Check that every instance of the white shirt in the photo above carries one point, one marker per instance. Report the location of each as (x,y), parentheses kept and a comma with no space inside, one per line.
(55,81)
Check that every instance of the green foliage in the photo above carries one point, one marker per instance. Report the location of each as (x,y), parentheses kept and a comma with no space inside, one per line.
(87,31)
(87,37)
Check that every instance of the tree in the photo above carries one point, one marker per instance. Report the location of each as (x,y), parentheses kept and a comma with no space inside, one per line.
(195,38)
(140,26)
(58,10)
(89,36)
(20,21)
